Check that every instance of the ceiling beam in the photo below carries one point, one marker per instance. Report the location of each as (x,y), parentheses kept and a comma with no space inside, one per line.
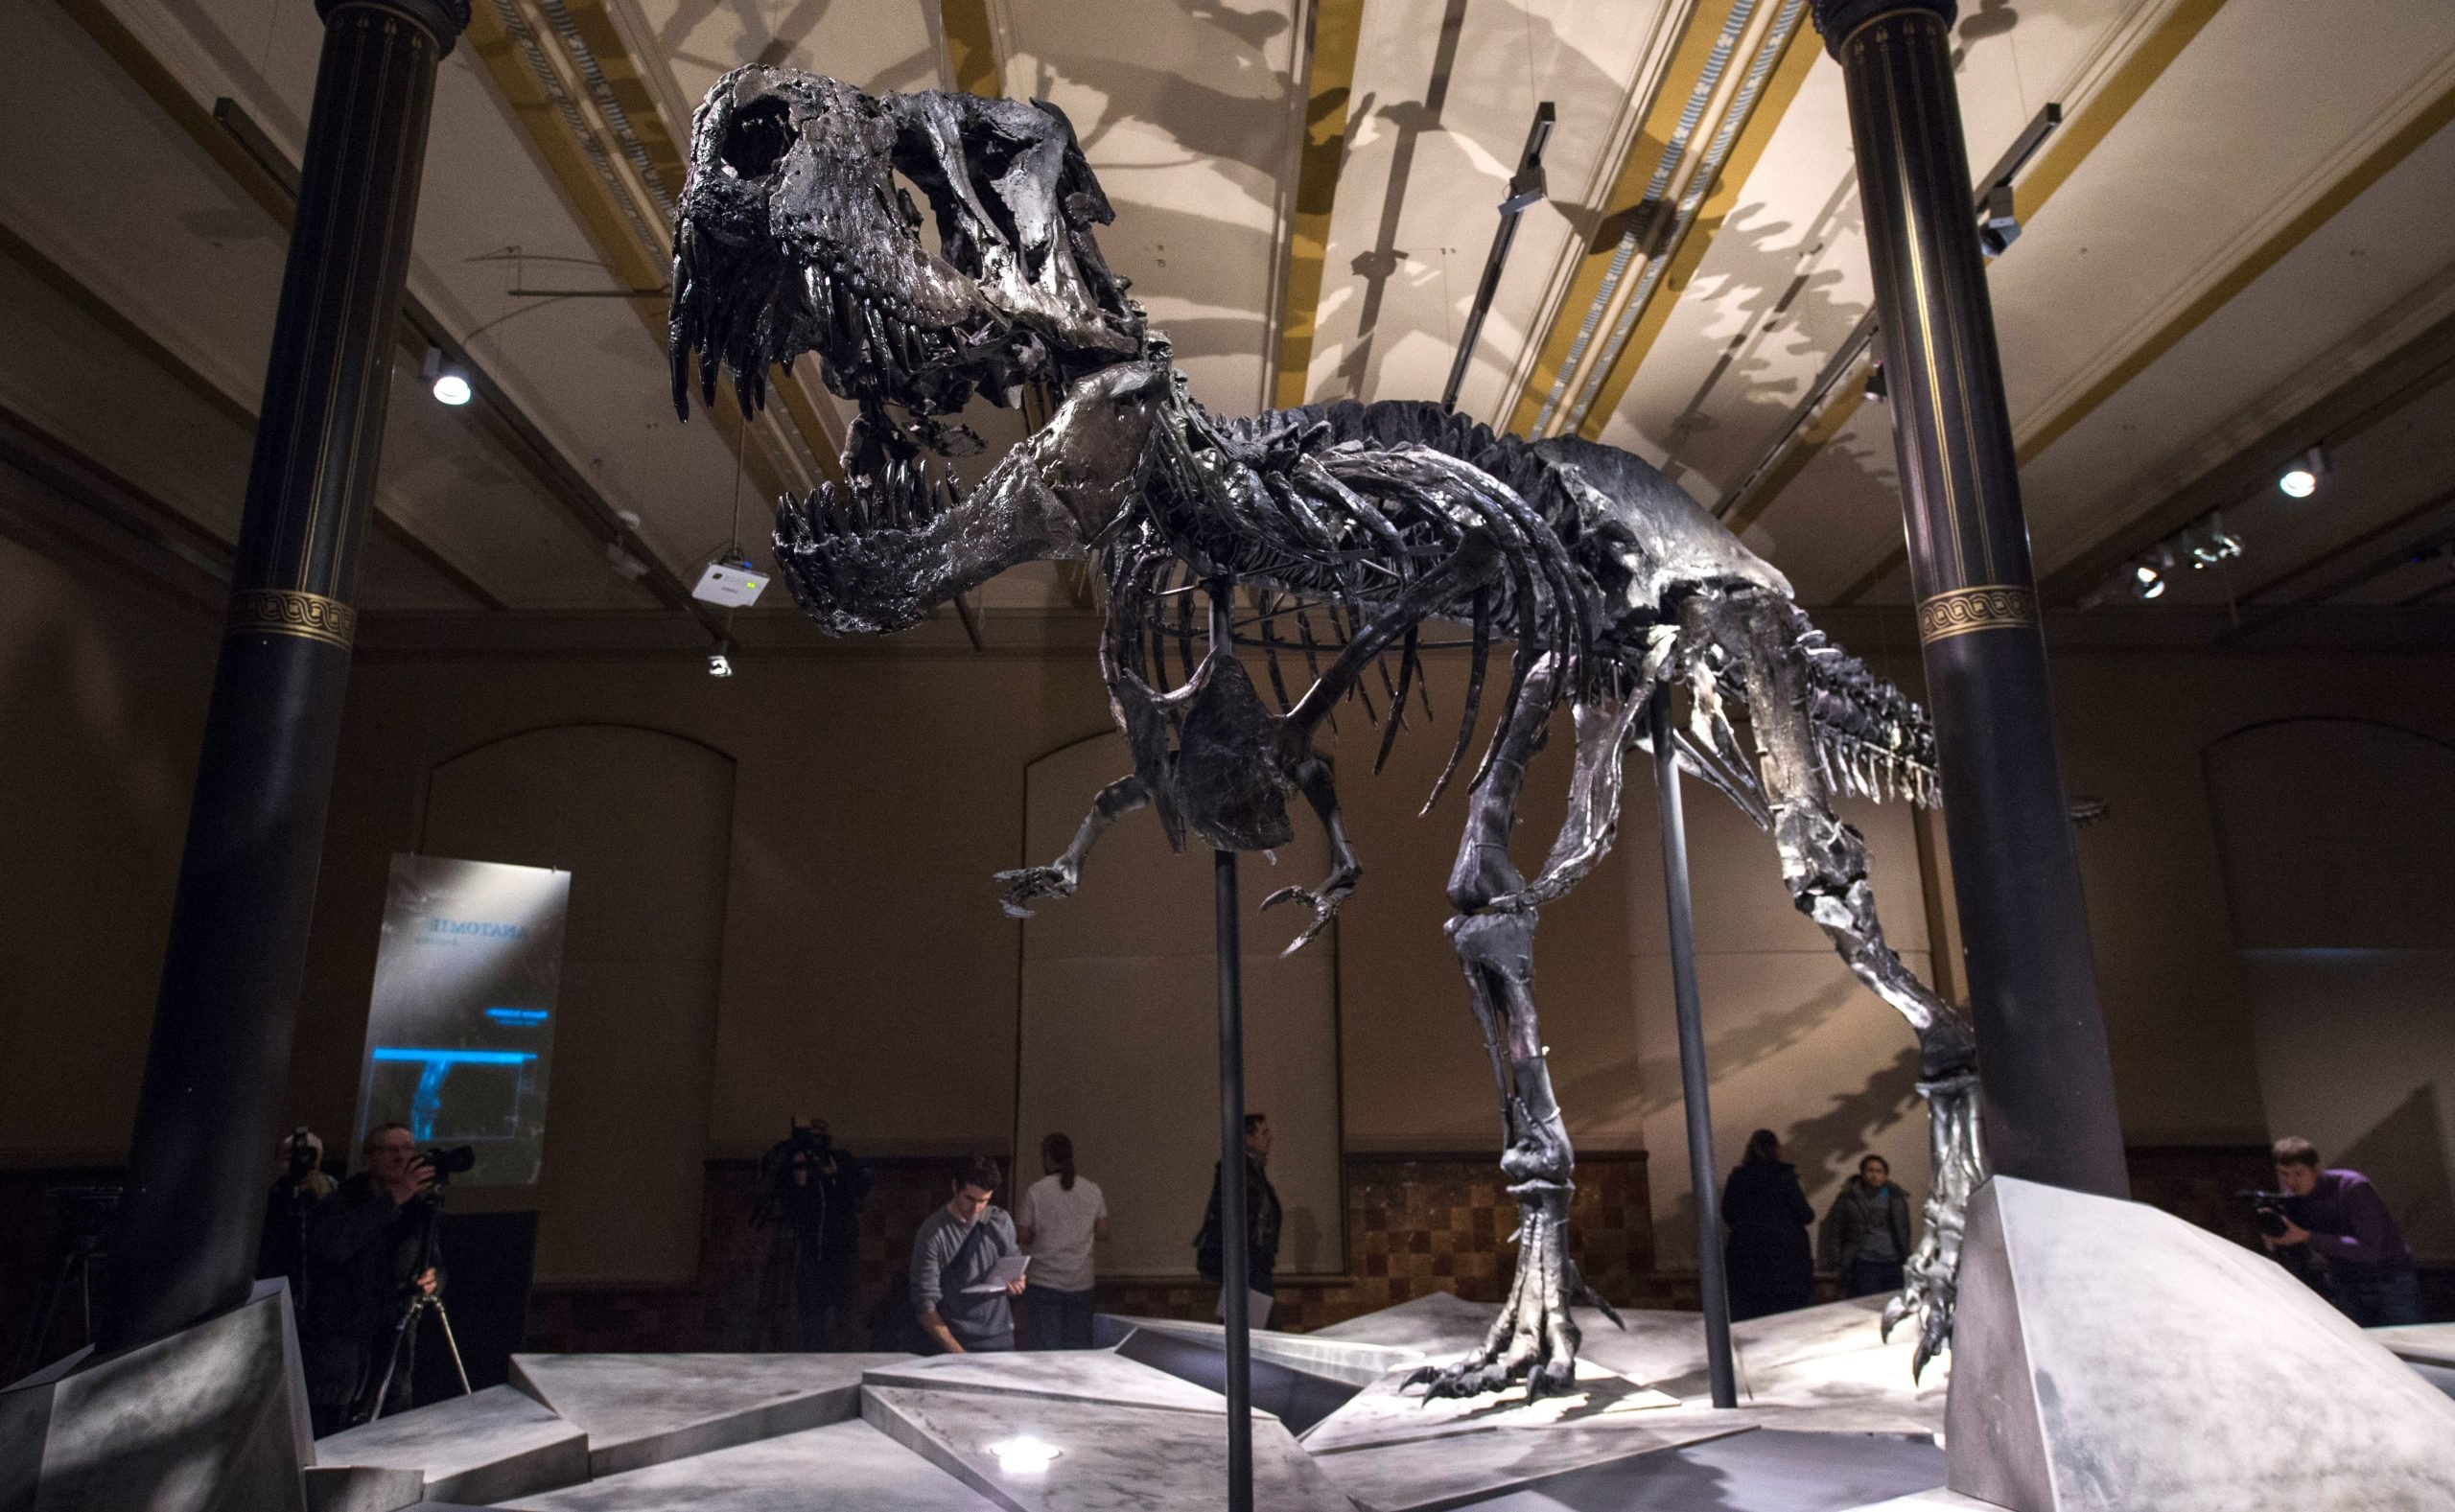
(100,513)
(231,139)
(1337,28)
(102,312)
(2331,420)
(2377,566)
(2351,185)
(1828,405)
(1632,210)
(2035,180)
(579,98)
(1749,119)
(973,63)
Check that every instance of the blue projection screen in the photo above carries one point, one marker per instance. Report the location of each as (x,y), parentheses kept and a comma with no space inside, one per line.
(460,1035)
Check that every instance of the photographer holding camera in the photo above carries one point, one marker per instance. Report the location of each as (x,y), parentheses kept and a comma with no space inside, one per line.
(2336,1218)
(811,1192)
(370,1252)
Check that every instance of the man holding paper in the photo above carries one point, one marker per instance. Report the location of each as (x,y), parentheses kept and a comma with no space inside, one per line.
(965,1265)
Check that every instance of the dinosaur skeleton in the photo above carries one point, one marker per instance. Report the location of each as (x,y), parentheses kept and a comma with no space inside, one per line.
(798,234)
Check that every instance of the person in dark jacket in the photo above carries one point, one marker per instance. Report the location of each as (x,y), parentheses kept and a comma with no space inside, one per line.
(1767,1254)
(1866,1231)
(364,1244)
(1262,1219)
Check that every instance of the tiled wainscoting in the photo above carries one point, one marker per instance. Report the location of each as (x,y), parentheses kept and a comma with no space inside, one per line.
(1415,1224)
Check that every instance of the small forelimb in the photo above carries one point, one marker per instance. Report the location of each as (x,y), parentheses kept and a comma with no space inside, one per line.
(1313,778)
(1061,876)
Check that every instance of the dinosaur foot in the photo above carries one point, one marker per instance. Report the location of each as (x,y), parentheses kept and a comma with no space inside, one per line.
(1535,1341)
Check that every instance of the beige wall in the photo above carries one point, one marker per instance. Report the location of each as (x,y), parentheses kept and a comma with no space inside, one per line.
(2341,901)
(1118,1043)
(643,821)
(866,973)
(101,707)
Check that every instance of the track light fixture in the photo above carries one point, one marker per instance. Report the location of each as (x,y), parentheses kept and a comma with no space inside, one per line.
(1998,222)
(2301,479)
(448,381)
(720,659)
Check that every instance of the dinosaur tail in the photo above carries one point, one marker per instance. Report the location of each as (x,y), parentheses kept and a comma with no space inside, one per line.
(1870,738)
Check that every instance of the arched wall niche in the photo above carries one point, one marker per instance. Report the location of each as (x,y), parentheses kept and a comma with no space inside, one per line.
(643,820)
(2336,836)
(1116,1043)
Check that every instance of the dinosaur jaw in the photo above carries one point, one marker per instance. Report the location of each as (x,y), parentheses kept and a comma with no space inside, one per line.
(876,555)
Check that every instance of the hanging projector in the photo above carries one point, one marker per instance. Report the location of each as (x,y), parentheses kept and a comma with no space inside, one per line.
(730,581)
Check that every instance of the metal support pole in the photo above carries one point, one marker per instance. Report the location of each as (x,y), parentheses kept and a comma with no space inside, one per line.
(1703,1171)
(1233,1279)
(1526,188)
(2049,1110)
(215,1069)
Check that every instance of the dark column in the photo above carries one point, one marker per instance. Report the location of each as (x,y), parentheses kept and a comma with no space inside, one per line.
(215,1073)
(2049,1107)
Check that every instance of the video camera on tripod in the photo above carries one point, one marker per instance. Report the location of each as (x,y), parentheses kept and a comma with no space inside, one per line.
(2269,1210)
(445,1164)
(791,1174)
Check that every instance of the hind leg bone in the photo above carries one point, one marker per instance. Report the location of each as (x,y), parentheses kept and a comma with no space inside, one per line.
(1535,1339)
(1824,864)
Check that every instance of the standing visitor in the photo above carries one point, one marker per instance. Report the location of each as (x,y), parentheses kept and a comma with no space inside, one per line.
(1060,1218)
(1261,1226)
(1767,1256)
(2339,1219)
(1866,1231)
(954,1257)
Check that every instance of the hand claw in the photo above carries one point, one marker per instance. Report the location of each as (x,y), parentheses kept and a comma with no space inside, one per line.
(1323,905)
(1033,881)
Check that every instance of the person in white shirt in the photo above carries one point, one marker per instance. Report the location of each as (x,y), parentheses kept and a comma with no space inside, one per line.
(1060,1218)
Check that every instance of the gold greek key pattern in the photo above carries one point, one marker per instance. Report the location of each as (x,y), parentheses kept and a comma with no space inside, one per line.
(286,612)
(1961,611)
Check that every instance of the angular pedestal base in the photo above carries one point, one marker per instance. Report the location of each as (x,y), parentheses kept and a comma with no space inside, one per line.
(212,1419)
(2109,1356)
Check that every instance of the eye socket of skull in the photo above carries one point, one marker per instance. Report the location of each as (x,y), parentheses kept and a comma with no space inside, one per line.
(758,137)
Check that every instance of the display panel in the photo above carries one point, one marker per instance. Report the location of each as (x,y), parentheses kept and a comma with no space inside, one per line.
(461,1033)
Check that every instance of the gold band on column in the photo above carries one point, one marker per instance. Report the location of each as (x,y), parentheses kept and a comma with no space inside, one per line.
(1962,611)
(287,612)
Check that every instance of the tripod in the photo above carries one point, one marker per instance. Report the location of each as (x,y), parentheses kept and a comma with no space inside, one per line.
(414,1303)
(84,1212)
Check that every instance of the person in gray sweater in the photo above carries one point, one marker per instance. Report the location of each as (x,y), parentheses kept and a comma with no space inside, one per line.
(1866,1231)
(956,1249)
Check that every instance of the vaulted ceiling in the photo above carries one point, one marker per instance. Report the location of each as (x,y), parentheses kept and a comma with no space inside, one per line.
(2237,243)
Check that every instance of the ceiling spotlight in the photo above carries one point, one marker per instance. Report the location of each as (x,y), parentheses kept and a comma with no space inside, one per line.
(448,381)
(2146,581)
(2301,479)
(1875,382)
(1998,224)
(2209,542)
(1025,1455)
(720,659)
